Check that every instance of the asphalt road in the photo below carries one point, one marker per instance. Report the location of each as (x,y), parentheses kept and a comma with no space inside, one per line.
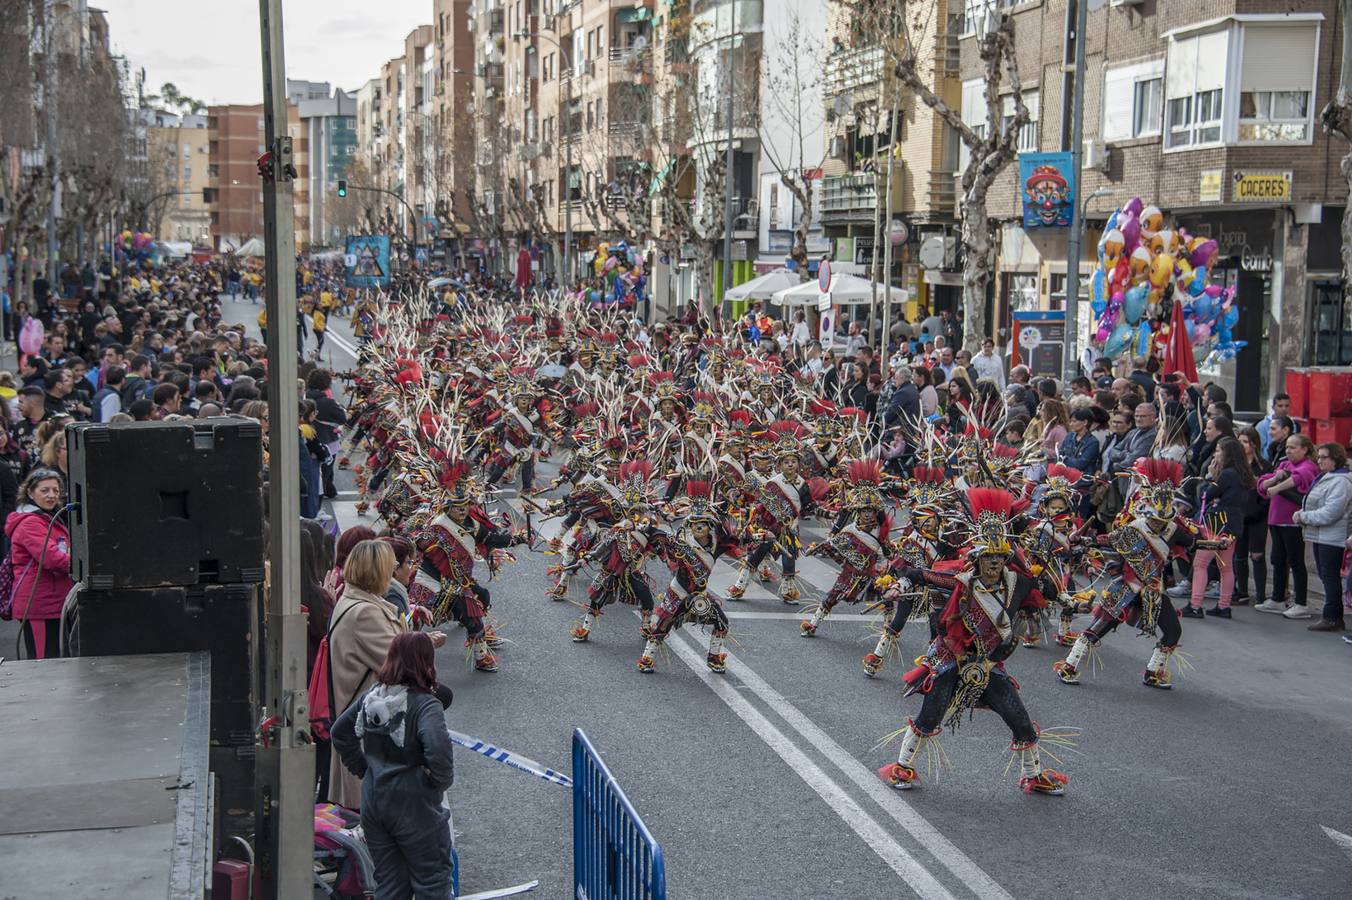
(760,783)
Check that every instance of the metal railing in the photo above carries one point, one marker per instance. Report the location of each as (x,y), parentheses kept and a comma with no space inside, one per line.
(615,857)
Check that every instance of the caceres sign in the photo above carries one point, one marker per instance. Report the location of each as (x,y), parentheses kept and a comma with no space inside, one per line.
(1261,187)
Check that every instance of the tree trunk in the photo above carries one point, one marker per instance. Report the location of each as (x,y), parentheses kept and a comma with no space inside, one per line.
(705,254)
(977,268)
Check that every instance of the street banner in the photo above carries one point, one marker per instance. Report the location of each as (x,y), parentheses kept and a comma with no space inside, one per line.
(367,261)
(1047,181)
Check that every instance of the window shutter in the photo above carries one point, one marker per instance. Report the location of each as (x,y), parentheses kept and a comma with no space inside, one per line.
(1278,58)
(1212,55)
(1182,67)
(1118,88)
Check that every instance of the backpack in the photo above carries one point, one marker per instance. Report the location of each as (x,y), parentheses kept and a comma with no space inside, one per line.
(321,698)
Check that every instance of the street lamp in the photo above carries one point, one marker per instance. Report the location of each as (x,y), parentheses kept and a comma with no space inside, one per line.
(565,134)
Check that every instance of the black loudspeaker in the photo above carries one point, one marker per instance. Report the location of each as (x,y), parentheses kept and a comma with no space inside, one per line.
(219,618)
(166,503)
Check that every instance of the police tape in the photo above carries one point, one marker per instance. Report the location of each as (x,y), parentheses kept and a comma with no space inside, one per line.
(508,758)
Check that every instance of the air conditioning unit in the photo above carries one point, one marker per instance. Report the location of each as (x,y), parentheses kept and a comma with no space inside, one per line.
(1095,155)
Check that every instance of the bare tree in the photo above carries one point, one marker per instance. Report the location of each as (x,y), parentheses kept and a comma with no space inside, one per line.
(991,146)
(791,74)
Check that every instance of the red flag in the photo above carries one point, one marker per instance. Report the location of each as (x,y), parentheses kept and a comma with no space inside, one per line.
(1014,346)
(1178,356)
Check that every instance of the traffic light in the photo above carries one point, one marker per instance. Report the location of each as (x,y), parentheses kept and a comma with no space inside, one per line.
(342,187)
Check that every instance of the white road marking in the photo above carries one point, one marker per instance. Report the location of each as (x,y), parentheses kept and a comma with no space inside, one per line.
(730,607)
(866,780)
(854,816)
(341,342)
(1342,840)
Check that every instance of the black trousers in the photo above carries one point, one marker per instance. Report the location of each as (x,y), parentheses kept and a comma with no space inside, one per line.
(474,625)
(1288,560)
(1328,562)
(497,470)
(1000,695)
(787,558)
(642,593)
(1170,626)
(51,632)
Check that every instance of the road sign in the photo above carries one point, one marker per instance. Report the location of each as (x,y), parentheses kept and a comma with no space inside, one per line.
(824,276)
(826,329)
(823,302)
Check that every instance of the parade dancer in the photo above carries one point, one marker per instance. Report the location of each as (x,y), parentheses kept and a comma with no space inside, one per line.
(518,434)
(449,545)
(964,667)
(1049,549)
(914,587)
(773,522)
(859,548)
(589,511)
(1135,555)
(690,555)
(622,551)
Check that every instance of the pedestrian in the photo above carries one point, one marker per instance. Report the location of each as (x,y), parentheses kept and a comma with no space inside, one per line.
(1253,541)
(1223,501)
(1326,518)
(1286,487)
(348,540)
(319,323)
(40,558)
(316,555)
(929,397)
(1055,427)
(395,741)
(1281,409)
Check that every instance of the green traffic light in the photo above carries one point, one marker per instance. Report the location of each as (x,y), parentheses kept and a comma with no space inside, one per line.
(342,188)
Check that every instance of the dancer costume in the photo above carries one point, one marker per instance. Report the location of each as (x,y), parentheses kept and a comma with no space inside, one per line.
(622,550)
(964,667)
(860,548)
(1135,555)
(1049,551)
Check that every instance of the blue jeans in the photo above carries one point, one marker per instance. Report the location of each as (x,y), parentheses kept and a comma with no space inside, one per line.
(1328,561)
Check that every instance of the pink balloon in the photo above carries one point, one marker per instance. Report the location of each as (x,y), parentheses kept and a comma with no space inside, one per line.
(1213,290)
(1200,332)
(1102,334)
(1133,207)
(31,336)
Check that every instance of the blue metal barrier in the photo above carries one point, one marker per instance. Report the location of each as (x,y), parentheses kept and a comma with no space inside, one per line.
(614,855)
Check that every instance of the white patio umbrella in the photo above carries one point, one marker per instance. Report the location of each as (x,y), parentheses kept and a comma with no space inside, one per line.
(763,287)
(846,290)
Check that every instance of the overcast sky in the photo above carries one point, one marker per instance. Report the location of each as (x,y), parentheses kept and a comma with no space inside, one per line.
(210,50)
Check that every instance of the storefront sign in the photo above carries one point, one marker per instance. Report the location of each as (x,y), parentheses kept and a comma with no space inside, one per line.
(1261,187)
(1209,186)
(1256,260)
(1047,181)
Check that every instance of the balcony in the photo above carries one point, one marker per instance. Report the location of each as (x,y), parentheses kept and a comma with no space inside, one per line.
(851,70)
(943,193)
(855,197)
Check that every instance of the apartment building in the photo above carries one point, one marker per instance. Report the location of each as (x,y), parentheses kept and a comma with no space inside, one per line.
(1207,110)
(177,156)
(453,96)
(889,175)
(234,143)
(328,125)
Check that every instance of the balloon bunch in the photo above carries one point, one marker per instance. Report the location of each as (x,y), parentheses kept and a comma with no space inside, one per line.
(1145,266)
(135,245)
(621,268)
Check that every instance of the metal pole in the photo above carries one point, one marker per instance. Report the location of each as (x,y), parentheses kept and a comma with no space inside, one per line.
(887,241)
(1070,362)
(727,162)
(567,279)
(49,91)
(285,767)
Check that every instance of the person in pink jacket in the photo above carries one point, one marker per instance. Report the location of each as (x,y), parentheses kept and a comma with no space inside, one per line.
(1286,486)
(40,555)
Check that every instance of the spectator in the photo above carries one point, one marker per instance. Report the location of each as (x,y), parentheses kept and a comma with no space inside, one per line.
(904,406)
(54,456)
(1137,444)
(1281,408)
(1253,541)
(1141,377)
(1286,487)
(360,631)
(56,386)
(348,540)
(946,363)
(395,742)
(1279,429)
(1224,497)
(1171,442)
(40,558)
(32,413)
(929,397)
(854,392)
(854,341)
(800,335)
(166,399)
(1080,448)
(959,406)
(107,400)
(1055,427)
(11,465)
(1081,387)
(1216,428)
(1326,518)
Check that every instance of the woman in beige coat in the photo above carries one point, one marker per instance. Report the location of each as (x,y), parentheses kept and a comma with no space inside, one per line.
(361,629)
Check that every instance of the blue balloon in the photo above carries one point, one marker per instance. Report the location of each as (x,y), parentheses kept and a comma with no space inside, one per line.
(1134,303)
(1231,317)
(1097,286)
(1118,340)
(1143,339)
(1201,308)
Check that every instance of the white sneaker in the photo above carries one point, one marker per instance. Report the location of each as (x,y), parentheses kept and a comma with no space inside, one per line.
(1182,589)
(1213,591)
(1296,611)
(1271,606)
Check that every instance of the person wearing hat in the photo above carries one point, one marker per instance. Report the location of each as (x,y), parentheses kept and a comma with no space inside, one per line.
(911,588)
(1051,552)
(963,669)
(449,545)
(518,434)
(690,554)
(1135,556)
(860,547)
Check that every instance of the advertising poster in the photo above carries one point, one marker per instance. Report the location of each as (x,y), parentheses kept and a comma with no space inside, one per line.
(367,259)
(1048,184)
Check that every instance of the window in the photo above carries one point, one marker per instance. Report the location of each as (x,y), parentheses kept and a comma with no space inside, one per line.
(1195,88)
(1028,135)
(1146,105)
(187,173)
(187,152)
(973,114)
(1275,83)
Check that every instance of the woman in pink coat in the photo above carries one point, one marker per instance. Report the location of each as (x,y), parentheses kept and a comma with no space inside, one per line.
(1286,487)
(40,555)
